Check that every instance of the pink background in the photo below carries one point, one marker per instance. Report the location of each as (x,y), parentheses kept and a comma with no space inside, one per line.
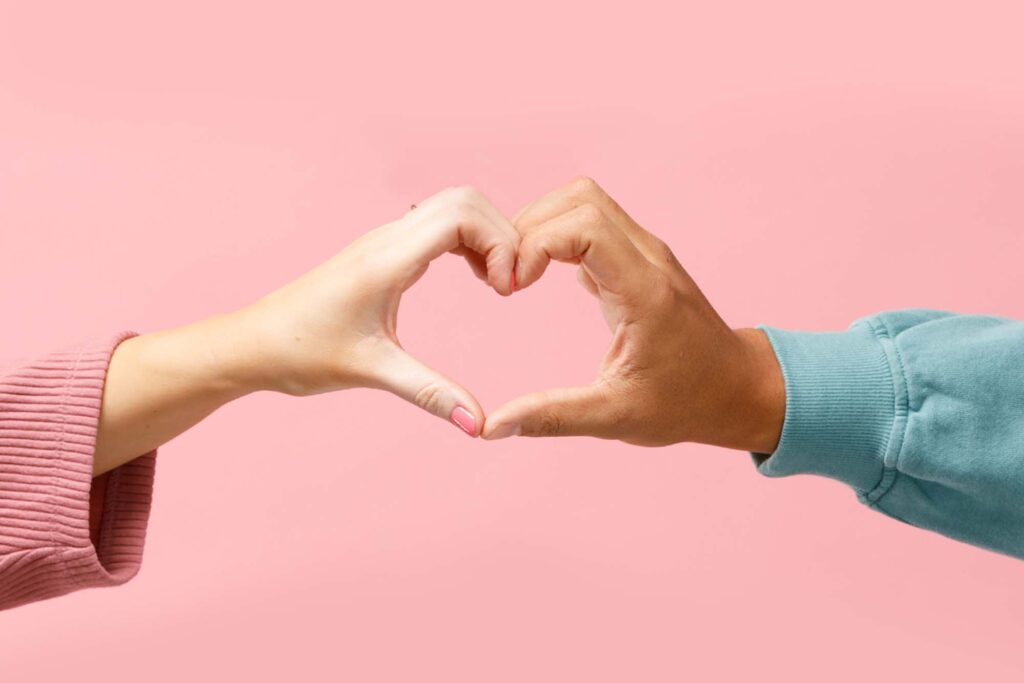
(808,163)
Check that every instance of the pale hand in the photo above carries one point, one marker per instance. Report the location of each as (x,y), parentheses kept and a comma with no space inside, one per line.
(333,328)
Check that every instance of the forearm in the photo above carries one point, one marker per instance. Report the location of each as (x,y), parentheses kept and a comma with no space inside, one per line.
(49,411)
(160,385)
(920,412)
(757,404)
(331,329)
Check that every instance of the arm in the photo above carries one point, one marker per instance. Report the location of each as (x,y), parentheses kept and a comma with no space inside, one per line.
(59,528)
(674,371)
(161,384)
(103,409)
(334,328)
(920,412)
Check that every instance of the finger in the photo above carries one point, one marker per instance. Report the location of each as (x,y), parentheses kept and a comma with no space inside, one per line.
(576,411)
(493,213)
(518,215)
(586,281)
(499,218)
(476,261)
(582,191)
(463,217)
(421,385)
(584,236)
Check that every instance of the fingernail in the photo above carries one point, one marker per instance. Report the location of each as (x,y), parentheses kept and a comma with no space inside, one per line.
(504,431)
(512,282)
(464,420)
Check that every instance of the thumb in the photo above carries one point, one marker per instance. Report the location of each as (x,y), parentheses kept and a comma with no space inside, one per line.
(421,385)
(575,411)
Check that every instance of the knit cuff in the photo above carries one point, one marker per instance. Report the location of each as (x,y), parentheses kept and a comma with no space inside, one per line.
(49,414)
(840,406)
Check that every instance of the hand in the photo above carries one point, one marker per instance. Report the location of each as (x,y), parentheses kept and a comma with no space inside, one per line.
(674,370)
(335,327)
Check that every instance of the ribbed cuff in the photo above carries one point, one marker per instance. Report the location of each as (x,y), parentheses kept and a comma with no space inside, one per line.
(840,406)
(49,414)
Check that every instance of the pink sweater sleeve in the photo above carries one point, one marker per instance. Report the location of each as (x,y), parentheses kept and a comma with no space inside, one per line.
(49,411)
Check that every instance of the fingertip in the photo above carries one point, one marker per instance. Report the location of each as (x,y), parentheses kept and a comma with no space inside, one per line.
(462,418)
(410,379)
(518,275)
(527,277)
(501,430)
(504,286)
(501,285)
(501,269)
(504,422)
(531,263)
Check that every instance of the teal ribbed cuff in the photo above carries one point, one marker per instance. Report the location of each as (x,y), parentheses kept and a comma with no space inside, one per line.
(840,406)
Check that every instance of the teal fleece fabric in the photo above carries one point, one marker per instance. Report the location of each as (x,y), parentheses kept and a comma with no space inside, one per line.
(921,412)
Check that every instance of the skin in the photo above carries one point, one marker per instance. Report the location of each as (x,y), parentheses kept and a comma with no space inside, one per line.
(333,328)
(674,371)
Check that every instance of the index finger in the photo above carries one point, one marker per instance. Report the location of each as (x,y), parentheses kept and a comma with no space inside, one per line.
(584,235)
(584,190)
(463,217)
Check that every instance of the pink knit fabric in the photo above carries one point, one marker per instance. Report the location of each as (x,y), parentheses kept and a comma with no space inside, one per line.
(49,411)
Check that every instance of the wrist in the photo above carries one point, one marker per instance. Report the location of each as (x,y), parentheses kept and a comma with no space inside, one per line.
(761,394)
(158,385)
(211,355)
(222,355)
(259,350)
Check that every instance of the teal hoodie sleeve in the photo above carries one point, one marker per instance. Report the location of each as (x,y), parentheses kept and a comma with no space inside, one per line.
(921,412)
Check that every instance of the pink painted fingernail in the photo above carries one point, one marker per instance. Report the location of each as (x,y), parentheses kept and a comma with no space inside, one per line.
(464,420)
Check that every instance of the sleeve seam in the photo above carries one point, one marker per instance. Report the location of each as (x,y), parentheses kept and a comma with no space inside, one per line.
(65,571)
(901,406)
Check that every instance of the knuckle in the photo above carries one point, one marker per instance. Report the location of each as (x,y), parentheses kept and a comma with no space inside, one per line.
(618,412)
(666,252)
(532,250)
(429,397)
(462,214)
(464,194)
(590,215)
(584,186)
(529,244)
(619,419)
(549,424)
(660,291)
